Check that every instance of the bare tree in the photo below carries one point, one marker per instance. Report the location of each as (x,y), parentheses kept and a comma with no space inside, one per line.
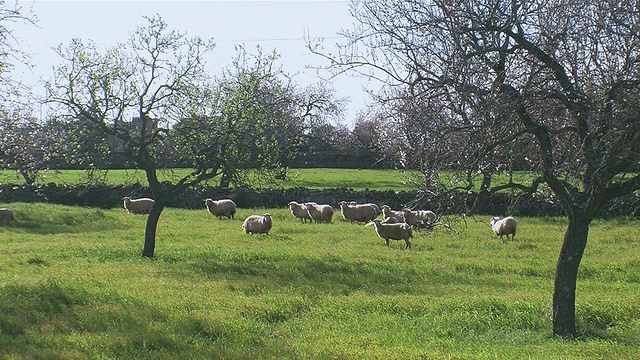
(12,89)
(146,79)
(16,124)
(562,75)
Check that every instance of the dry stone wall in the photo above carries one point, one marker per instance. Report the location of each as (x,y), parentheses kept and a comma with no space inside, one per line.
(496,204)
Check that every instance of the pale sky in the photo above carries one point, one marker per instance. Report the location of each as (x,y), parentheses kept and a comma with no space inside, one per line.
(279,25)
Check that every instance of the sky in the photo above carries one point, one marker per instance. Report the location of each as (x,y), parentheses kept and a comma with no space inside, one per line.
(273,25)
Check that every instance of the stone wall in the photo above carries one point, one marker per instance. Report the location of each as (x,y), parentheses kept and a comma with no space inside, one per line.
(496,204)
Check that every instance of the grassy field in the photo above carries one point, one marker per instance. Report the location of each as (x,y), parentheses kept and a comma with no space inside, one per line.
(74,286)
(309,178)
(316,178)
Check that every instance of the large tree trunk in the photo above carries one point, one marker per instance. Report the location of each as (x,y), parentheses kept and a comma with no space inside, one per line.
(482,199)
(225,180)
(150,230)
(564,291)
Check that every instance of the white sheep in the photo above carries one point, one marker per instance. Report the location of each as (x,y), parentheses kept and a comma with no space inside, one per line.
(420,218)
(319,212)
(299,211)
(502,227)
(258,224)
(138,206)
(220,208)
(375,206)
(6,214)
(399,231)
(396,216)
(391,220)
(358,212)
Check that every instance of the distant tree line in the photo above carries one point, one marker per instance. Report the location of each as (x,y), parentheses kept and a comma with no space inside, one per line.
(31,146)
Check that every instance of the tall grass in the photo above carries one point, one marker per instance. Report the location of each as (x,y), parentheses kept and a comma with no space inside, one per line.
(74,286)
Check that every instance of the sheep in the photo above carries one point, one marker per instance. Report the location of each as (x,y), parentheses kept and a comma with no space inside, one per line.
(502,227)
(220,208)
(319,213)
(399,231)
(299,211)
(138,206)
(397,216)
(391,220)
(6,214)
(376,207)
(258,224)
(361,212)
(420,218)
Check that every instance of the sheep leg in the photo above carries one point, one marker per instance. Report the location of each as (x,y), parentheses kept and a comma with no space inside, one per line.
(386,241)
(407,244)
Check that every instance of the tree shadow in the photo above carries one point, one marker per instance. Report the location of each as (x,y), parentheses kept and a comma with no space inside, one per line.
(257,273)
(62,222)
(40,321)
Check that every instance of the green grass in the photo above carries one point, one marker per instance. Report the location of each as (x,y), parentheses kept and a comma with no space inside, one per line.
(74,286)
(309,178)
(315,178)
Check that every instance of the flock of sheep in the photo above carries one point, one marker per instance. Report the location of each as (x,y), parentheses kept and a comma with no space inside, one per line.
(396,225)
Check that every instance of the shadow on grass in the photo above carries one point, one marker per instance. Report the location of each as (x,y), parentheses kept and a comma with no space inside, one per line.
(54,321)
(78,220)
(257,273)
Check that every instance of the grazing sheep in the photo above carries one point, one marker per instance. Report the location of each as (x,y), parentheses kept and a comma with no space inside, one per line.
(391,220)
(319,213)
(6,214)
(362,212)
(376,207)
(257,224)
(399,231)
(420,218)
(220,208)
(397,216)
(502,227)
(138,206)
(299,211)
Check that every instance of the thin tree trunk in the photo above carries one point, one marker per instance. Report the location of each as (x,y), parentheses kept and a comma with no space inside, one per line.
(150,230)
(564,291)
(28,179)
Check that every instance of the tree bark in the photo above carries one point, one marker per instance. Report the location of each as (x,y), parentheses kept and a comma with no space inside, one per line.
(225,180)
(482,199)
(29,180)
(564,291)
(150,230)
